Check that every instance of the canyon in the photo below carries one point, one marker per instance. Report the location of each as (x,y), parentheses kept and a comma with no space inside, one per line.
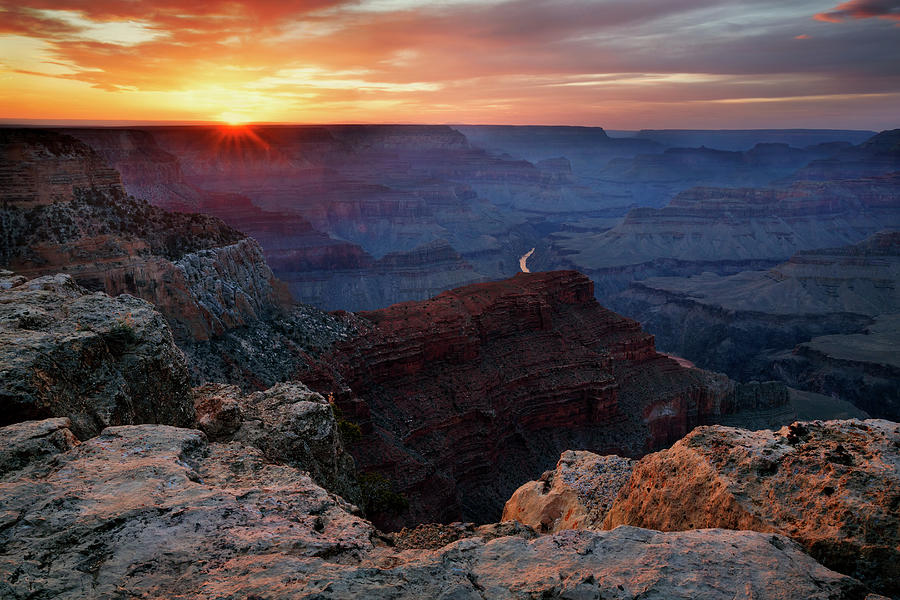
(513,372)
(787,322)
(359,217)
(176,425)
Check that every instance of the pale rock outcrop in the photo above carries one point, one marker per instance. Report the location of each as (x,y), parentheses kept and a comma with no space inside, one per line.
(97,360)
(833,486)
(153,511)
(576,495)
(289,423)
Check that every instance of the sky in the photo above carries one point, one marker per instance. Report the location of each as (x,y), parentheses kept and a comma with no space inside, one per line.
(620,64)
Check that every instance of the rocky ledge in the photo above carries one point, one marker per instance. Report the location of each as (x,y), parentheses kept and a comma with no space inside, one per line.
(98,360)
(154,511)
(834,486)
(831,486)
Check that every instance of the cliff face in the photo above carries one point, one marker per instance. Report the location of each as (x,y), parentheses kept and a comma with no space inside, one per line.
(345,275)
(458,393)
(40,167)
(203,275)
(861,368)
(97,360)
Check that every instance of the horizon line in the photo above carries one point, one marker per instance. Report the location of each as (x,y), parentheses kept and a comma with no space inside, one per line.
(114,123)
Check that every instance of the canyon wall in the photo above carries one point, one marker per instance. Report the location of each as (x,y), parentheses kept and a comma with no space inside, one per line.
(457,394)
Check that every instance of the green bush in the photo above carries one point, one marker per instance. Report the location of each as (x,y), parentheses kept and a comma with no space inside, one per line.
(378,495)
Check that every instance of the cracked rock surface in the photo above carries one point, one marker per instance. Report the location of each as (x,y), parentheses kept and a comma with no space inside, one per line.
(153,511)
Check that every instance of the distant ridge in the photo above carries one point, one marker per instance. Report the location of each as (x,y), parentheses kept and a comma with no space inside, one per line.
(742,139)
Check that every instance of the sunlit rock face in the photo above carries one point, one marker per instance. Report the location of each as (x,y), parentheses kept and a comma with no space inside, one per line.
(833,486)
(158,511)
(577,494)
(461,396)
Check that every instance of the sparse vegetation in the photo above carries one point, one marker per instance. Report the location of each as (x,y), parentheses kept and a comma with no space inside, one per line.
(121,335)
(379,496)
(349,431)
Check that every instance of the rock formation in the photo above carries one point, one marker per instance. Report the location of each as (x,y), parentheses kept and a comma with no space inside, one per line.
(288,423)
(100,361)
(575,495)
(157,511)
(718,228)
(833,486)
(203,275)
(513,373)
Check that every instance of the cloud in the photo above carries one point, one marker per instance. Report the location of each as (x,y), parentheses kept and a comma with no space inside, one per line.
(449,60)
(862,9)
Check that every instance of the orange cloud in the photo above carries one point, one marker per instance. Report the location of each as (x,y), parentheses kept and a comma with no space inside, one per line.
(862,9)
(618,63)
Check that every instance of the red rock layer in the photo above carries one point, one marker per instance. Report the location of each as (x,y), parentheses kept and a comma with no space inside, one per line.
(39,167)
(462,395)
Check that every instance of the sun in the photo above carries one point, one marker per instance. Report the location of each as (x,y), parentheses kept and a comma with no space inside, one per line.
(234,118)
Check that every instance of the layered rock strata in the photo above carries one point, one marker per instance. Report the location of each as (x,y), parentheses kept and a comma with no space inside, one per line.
(704,227)
(861,368)
(808,321)
(513,373)
(203,275)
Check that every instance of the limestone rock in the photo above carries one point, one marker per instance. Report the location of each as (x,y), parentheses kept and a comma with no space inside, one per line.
(153,511)
(289,423)
(25,444)
(834,486)
(98,360)
(576,495)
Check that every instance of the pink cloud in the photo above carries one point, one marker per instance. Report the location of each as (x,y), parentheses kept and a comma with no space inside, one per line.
(862,9)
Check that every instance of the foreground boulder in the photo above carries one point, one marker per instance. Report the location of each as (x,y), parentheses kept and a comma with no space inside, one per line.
(155,511)
(97,360)
(289,423)
(575,495)
(833,486)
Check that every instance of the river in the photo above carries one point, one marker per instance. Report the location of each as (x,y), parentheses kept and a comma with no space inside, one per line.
(524,259)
